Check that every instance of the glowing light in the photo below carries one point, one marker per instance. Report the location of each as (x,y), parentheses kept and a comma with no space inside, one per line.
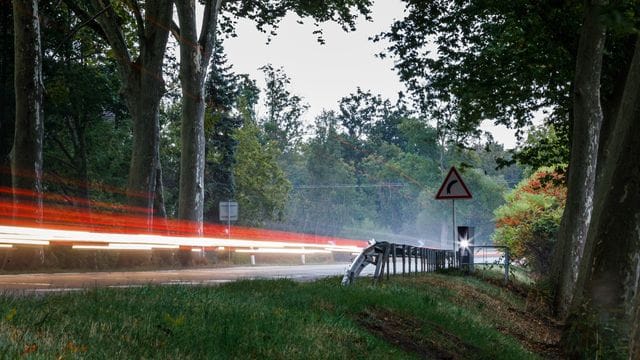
(464,243)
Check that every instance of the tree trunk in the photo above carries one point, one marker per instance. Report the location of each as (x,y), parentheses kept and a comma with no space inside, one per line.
(7,97)
(583,162)
(26,159)
(143,86)
(195,55)
(143,94)
(191,196)
(608,284)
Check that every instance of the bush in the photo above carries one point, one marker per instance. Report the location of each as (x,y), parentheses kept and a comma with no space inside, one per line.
(529,220)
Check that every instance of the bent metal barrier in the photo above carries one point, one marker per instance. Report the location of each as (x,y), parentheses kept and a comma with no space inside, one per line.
(385,256)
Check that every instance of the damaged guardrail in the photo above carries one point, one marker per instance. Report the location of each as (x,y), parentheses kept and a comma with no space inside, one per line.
(389,256)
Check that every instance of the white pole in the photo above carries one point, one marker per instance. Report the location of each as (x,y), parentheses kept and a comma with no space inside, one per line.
(453,216)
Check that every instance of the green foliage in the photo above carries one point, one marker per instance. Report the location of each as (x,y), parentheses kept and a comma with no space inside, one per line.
(261,184)
(170,124)
(496,60)
(528,223)
(544,146)
(283,123)
(268,14)
(324,198)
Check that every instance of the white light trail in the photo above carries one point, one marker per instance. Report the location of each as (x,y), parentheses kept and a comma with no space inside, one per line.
(85,240)
(282,251)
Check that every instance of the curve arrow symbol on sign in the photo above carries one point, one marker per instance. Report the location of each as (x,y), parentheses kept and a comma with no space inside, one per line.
(450,185)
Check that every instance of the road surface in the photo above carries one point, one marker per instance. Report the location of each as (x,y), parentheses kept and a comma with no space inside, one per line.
(55,282)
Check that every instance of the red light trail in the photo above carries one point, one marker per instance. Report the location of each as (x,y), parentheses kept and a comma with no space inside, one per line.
(104,226)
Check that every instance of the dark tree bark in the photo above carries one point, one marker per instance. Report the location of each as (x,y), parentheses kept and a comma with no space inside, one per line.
(143,86)
(584,154)
(195,55)
(608,283)
(26,157)
(7,97)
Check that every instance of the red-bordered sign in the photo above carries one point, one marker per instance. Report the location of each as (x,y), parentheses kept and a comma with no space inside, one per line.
(453,187)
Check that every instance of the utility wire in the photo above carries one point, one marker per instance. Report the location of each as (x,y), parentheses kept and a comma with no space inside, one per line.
(333,186)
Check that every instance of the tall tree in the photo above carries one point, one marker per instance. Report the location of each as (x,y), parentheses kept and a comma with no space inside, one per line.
(607,285)
(283,123)
(584,154)
(26,159)
(223,88)
(139,64)
(195,54)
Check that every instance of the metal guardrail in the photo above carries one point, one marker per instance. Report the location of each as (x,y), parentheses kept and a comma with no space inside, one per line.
(385,256)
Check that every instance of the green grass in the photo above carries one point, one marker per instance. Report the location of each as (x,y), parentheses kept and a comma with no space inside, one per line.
(424,316)
(496,271)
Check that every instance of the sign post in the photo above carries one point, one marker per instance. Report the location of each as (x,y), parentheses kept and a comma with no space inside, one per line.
(228,211)
(453,188)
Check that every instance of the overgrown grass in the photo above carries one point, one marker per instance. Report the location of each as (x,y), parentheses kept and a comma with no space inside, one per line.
(496,271)
(431,316)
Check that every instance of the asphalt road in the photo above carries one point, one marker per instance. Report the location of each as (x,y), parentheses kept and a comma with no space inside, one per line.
(55,282)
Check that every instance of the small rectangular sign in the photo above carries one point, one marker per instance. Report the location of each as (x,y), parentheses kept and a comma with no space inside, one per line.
(228,211)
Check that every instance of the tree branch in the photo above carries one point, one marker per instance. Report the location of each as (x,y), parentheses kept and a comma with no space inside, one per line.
(66,153)
(175,30)
(110,25)
(87,20)
(208,30)
(157,19)
(135,8)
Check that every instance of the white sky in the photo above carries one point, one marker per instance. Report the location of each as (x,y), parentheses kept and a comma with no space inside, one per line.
(322,74)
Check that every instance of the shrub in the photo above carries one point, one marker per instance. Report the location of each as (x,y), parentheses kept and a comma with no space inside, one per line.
(529,220)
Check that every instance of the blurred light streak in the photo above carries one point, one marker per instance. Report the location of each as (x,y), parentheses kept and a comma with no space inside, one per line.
(83,240)
(103,226)
(24,241)
(282,251)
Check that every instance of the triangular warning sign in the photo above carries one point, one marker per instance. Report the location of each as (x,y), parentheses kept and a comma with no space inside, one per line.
(453,187)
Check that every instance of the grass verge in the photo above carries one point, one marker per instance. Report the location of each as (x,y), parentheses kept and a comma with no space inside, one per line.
(428,316)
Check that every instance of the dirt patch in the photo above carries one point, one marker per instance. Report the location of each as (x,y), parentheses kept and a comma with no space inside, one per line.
(409,334)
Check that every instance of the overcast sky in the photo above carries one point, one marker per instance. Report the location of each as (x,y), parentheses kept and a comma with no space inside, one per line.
(322,74)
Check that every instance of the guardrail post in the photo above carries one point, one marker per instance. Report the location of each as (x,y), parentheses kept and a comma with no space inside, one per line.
(393,256)
(386,256)
(425,256)
(506,266)
(403,259)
